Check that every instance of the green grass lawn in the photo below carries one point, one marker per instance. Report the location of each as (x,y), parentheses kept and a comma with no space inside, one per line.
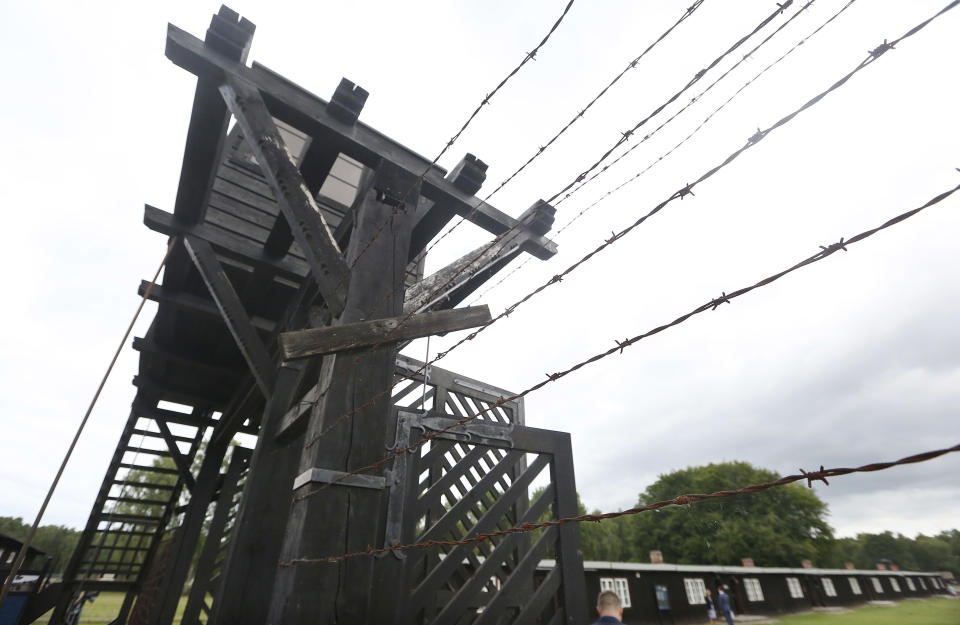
(927,612)
(106,607)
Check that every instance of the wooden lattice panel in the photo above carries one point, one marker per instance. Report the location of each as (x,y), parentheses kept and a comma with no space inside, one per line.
(473,480)
(452,394)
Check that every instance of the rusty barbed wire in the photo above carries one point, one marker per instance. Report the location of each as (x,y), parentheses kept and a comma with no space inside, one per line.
(689,104)
(631,65)
(625,136)
(681,500)
(530,56)
(616,236)
(706,120)
(824,252)
(680,194)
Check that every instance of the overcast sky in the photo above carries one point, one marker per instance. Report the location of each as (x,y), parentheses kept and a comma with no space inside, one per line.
(853,360)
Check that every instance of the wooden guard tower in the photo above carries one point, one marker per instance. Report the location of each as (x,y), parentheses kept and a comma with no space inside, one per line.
(297,217)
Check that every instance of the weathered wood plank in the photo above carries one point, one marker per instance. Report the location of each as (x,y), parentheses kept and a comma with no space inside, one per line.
(439,287)
(318,341)
(297,205)
(233,313)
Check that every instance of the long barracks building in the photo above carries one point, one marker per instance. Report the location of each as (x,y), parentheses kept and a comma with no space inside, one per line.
(675,592)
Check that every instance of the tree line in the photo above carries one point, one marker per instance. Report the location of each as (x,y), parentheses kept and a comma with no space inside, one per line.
(779,527)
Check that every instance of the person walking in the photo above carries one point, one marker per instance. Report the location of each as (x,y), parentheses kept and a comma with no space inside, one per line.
(711,607)
(723,603)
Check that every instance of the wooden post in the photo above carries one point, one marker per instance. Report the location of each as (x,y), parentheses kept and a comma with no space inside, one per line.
(211,545)
(184,543)
(349,518)
(243,595)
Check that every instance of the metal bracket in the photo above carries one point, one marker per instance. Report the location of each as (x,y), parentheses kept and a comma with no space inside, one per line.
(328,476)
(473,432)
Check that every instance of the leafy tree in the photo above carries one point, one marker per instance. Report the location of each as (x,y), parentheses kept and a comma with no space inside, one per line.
(57,541)
(777,527)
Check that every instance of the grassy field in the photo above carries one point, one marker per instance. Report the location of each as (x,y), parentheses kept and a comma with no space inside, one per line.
(106,607)
(927,612)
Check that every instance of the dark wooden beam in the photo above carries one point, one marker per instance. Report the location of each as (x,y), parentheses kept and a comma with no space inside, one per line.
(309,113)
(253,553)
(179,460)
(296,204)
(178,394)
(148,346)
(319,341)
(203,578)
(233,313)
(344,445)
(228,244)
(230,36)
(468,176)
(193,303)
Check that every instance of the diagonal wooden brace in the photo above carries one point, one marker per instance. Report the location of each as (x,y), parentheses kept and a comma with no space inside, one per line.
(234,315)
(318,341)
(303,215)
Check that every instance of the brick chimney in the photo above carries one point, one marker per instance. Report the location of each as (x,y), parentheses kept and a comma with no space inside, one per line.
(656,557)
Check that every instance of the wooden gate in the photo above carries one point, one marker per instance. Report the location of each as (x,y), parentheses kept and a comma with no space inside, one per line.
(491,474)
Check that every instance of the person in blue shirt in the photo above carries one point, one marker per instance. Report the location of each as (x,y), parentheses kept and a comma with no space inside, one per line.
(723,604)
(609,608)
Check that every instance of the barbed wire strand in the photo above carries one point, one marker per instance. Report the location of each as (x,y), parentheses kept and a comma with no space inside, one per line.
(631,65)
(680,500)
(680,194)
(625,136)
(711,305)
(665,155)
(687,190)
(520,223)
(530,56)
(686,106)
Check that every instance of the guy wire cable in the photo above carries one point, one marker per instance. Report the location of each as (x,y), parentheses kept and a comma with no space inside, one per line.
(18,562)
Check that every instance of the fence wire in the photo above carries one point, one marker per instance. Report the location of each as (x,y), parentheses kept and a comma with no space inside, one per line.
(666,154)
(579,115)
(530,56)
(712,304)
(625,136)
(616,236)
(680,500)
